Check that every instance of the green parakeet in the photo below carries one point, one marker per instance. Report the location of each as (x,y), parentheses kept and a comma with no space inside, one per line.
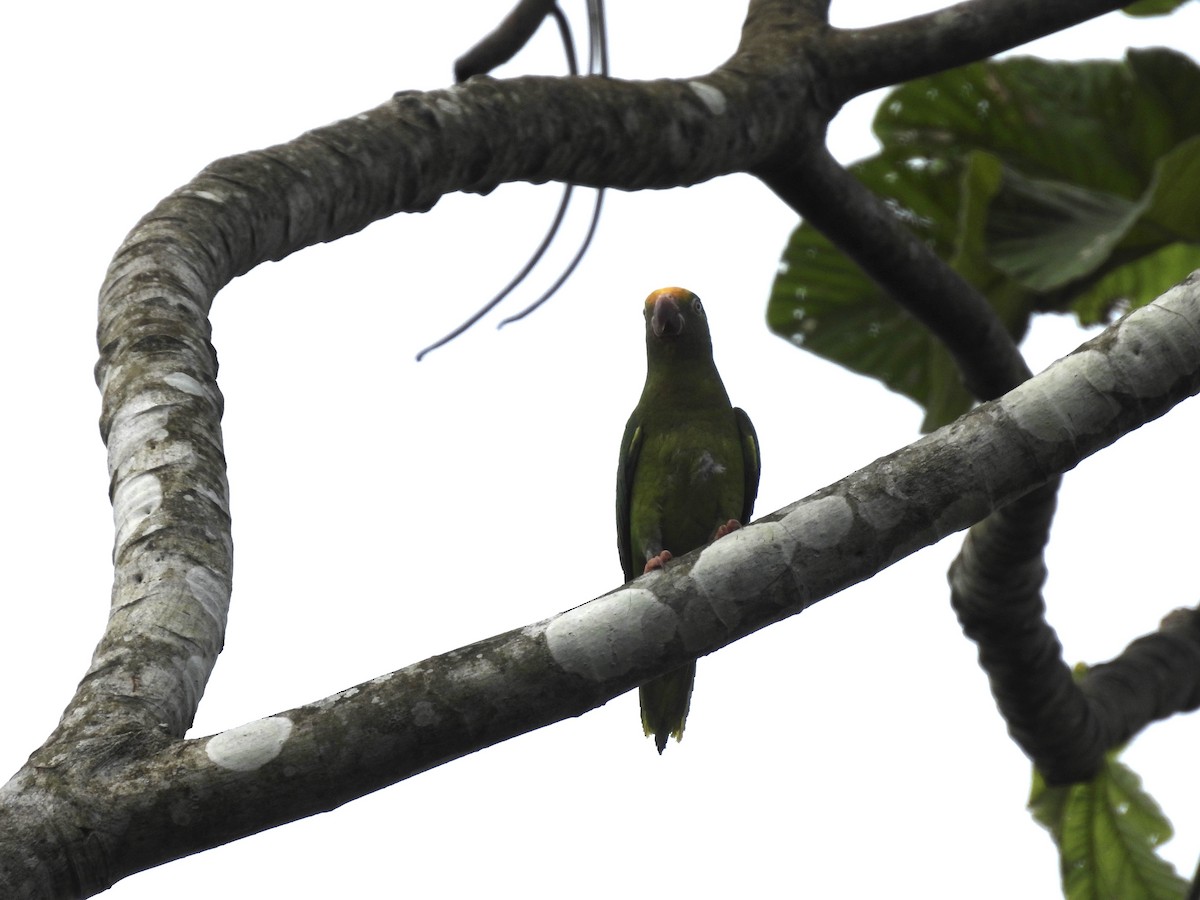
(688,471)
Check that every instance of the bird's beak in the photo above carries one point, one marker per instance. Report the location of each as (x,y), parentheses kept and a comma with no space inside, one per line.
(666,320)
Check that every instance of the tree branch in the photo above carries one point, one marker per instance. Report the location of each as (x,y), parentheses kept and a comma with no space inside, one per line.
(157,369)
(863,228)
(504,41)
(112,788)
(106,815)
(862,59)
(1065,727)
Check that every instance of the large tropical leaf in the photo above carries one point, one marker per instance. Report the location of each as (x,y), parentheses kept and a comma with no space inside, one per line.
(1049,186)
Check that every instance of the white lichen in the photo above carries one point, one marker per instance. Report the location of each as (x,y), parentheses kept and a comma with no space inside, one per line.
(710,96)
(424,713)
(250,746)
(820,524)
(714,572)
(107,374)
(210,591)
(195,677)
(134,501)
(139,422)
(880,512)
(1061,404)
(333,699)
(598,640)
(182,381)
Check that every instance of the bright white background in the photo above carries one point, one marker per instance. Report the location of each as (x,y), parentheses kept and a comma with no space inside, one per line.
(386,510)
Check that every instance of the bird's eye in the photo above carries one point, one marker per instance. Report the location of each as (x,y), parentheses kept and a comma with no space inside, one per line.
(698,306)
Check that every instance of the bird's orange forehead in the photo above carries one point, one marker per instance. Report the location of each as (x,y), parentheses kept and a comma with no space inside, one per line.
(677,294)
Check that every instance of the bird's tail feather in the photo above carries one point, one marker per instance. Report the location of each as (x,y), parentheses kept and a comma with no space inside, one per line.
(665,703)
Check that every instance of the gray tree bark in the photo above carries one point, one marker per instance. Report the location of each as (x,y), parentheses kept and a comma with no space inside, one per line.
(117,789)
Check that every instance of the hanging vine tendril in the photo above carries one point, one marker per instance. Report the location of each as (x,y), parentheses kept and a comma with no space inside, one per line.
(495,49)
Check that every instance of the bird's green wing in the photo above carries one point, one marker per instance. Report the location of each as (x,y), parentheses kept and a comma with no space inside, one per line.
(751,463)
(631,446)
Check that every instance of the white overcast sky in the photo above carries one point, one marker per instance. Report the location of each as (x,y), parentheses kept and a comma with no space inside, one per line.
(386,510)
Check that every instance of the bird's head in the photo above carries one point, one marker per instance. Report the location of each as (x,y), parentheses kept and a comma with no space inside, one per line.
(675,319)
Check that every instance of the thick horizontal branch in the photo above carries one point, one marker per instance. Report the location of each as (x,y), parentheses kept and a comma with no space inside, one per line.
(313,758)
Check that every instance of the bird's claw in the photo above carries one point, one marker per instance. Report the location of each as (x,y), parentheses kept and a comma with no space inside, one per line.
(664,557)
(728,528)
(657,562)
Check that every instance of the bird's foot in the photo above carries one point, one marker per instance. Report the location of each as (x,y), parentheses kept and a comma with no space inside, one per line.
(657,562)
(728,528)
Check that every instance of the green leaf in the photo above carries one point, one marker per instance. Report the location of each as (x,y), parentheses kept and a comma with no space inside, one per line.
(1107,832)
(1051,187)
(822,301)
(1135,284)
(1046,233)
(850,321)
(1172,205)
(1153,7)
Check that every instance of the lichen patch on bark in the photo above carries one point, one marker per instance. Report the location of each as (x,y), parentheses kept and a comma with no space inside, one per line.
(250,746)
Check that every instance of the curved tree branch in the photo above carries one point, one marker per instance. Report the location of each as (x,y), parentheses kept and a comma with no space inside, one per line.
(1065,727)
(92,818)
(157,369)
(116,771)
(997,578)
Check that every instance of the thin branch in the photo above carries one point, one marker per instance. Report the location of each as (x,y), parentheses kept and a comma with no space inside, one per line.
(505,41)
(863,59)
(859,223)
